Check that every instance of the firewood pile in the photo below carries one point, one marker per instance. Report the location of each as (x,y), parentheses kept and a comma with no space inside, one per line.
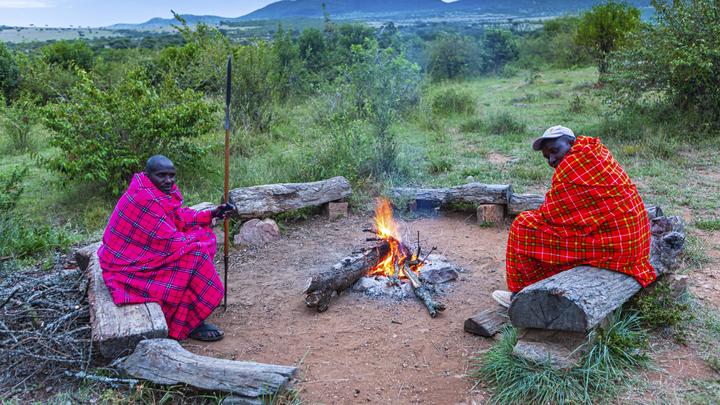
(44,328)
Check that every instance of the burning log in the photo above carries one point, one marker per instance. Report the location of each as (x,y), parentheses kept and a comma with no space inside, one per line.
(319,288)
(424,293)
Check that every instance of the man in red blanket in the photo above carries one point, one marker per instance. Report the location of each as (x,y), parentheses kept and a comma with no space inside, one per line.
(592,215)
(154,250)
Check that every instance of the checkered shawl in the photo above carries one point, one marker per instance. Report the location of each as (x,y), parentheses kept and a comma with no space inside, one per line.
(592,215)
(154,250)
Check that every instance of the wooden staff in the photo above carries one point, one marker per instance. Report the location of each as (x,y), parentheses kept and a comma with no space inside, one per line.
(226,220)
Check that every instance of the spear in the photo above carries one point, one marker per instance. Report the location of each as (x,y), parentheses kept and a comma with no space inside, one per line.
(226,190)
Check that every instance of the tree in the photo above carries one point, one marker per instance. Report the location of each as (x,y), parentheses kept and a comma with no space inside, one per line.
(311,45)
(69,54)
(105,135)
(605,28)
(500,48)
(676,58)
(9,72)
(452,56)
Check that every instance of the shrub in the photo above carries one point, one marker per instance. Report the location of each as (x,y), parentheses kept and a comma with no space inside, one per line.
(9,72)
(472,125)
(504,123)
(605,28)
(18,120)
(659,307)
(105,135)
(553,45)
(69,54)
(453,56)
(19,239)
(673,62)
(499,48)
(253,92)
(452,100)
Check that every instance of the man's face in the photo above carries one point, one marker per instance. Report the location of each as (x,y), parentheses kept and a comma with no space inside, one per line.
(554,150)
(163,177)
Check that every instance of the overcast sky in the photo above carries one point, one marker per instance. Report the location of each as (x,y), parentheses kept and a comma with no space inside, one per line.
(99,13)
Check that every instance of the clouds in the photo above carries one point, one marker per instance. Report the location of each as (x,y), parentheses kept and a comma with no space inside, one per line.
(24,4)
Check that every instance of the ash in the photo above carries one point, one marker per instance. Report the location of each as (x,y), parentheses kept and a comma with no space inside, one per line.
(437,271)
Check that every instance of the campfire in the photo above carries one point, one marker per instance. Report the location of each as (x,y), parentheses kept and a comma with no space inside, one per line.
(391,260)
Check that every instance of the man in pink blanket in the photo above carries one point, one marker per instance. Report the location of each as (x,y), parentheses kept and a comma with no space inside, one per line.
(154,250)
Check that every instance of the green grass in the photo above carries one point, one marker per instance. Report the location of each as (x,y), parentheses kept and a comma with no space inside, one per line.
(614,353)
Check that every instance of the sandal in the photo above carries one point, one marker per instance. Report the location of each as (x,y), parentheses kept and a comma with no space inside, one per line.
(207,332)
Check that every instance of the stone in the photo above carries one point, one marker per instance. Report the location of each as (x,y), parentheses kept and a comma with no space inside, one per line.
(439,270)
(364,284)
(334,210)
(257,233)
(562,350)
(490,214)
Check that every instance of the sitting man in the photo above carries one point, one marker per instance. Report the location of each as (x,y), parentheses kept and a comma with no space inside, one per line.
(592,215)
(154,250)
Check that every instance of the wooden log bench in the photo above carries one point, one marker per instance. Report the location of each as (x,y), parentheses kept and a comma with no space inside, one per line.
(576,301)
(138,331)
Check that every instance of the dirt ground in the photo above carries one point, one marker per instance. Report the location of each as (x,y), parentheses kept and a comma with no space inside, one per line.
(370,350)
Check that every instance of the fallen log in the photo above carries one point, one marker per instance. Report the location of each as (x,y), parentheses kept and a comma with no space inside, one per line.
(486,323)
(423,292)
(261,201)
(116,330)
(577,300)
(319,287)
(164,361)
(524,202)
(471,193)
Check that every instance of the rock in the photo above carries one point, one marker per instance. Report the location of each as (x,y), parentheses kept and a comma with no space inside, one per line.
(257,233)
(364,284)
(439,270)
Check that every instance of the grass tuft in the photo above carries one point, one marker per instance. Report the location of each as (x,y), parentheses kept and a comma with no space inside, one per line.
(453,101)
(614,352)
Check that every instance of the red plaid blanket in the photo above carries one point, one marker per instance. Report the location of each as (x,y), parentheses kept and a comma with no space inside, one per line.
(592,215)
(156,251)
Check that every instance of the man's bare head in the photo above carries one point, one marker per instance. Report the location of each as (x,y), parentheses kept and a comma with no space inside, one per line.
(161,172)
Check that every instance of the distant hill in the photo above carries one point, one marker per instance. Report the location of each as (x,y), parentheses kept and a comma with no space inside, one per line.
(358,9)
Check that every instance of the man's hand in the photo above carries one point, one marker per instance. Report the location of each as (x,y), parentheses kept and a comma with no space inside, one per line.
(223,211)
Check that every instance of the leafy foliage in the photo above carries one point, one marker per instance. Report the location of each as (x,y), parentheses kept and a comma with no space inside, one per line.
(452,56)
(605,29)
(553,45)
(106,134)
(658,307)
(18,119)
(674,61)
(453,101)
(9,72)
(69,54)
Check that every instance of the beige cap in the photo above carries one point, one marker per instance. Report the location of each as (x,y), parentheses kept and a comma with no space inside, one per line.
(552,133)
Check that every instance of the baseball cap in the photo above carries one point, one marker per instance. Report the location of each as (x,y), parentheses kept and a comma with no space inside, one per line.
(552,133)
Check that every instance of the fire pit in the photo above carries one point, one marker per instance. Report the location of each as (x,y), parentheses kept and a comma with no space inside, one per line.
(390,268)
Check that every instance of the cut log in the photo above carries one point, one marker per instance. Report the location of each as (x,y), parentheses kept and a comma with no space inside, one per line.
(260,201)
(490,214)
(319,287)
(116,330)
(524,202)
(559,349)
(486,323)
(164,361)
(579,299)
(471,193)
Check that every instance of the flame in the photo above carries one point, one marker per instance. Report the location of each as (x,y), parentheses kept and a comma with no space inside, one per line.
(399,254)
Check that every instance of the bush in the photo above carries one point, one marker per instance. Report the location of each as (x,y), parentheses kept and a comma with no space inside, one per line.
(659,307)
(451,100)
(453,56)
(18,239)
(673,62)
(553,45)
(253,92)
(499,48)
(504,123)
(69,54)
(9,72)
(106,135)
(18,120)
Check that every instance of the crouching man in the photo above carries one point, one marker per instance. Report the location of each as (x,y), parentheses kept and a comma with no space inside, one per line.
(154,250)
(592,215)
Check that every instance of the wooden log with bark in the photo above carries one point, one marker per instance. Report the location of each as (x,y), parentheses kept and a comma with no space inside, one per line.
(471,193)
(261,201)
(342,275)
(116,330)
(164,361)
(486,323)
(424,294)
(577,300)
